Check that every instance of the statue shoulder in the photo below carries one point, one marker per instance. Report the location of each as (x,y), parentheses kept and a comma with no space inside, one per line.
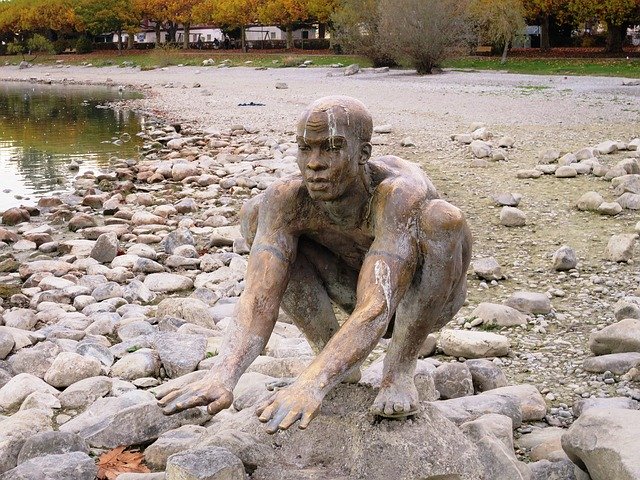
(400,182)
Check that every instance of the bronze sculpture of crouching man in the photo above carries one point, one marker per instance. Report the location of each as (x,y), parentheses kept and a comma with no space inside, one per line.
(370,235)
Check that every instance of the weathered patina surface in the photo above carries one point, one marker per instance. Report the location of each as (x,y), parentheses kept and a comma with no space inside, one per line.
(369,235)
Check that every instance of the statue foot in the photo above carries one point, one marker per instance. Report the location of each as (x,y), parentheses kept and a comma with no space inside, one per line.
(399,399)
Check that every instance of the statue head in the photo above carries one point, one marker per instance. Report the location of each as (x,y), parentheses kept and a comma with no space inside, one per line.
(333,137)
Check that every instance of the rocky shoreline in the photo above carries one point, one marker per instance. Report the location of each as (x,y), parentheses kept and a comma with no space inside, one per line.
(123,288)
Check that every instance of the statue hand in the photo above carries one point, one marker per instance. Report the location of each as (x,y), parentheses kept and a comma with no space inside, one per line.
(287,406)
(203,392)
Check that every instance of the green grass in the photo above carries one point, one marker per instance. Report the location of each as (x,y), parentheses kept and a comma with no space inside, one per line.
(615,67)
(157,58)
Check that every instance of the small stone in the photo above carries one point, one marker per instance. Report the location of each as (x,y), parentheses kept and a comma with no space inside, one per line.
(548,156)
(566,172)
(564,258)
(69,367)
(530,303)
(480,149)
(205,463)
(620,247)
(470,344)
(453,380)
(105,248)
(590,201)
(512,217)
(487,269)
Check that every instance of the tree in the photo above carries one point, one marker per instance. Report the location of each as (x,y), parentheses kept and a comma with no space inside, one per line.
(229,14)
(357,29)
(498,21)
(48,17)
(543,11)
(102,16)
(616,14)
(285,13)
(322,11)
(426,31)
(33,46)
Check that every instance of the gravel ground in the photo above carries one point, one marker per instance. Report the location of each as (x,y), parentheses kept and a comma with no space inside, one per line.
(539,112)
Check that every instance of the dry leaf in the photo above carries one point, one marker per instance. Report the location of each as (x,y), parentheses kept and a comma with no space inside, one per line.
(117,461)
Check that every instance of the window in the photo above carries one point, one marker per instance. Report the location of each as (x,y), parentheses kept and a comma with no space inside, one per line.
(273,35)
(208,37)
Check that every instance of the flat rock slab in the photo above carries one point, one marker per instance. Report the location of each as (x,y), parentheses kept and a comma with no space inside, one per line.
(130,419)
(167,282)
(618,363)
(471,344)
(496,314)
(605,443)
(68,466)
(530,302)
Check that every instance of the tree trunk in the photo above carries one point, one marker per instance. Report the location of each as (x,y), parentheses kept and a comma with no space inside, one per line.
(615,37)
(545,41)
(289,37)
(172,29)
(322,30)
(504,52)
(158,33)
(187,32)
(130,41)
(243,39)
(119,42)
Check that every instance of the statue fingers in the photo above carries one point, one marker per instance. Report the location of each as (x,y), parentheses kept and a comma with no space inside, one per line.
(307,416)
(276,419)
(292,417)
(220,403)
(169,398)
(263,405)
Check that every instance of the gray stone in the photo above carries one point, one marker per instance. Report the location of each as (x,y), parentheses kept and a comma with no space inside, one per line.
(105,248)
(532,405)
(627,307)
(453,380)
(141,363)
(97,351)
(618,363)
(68,466)
(178,237)
(585,404)
(512,217)
(51,443)
(606,147)
(167,282)
(492,436)
(486,375)
(566,171)
(609,208)
(35,360)
(190,310)
(352,69)
(69,368)
(106,291)
(135,329)
(487,269)
(623,336)
(21,318)
(465,409)
(557,470)
(630,201)
(130,419)
(6,344)
(508,199)
(205,463)
(620,247)
(496,314)
(567,159)
(470,344)
(136,291)
(530,303)
(13,393)
(82,394)
(590,201)
(56,267)
(549,155)
(564,258)
(180,354)
(480,149)
(605,442)
(15,430)
(173,441)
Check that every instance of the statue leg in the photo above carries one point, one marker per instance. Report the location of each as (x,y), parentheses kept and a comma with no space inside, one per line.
(436,294)
(317,278)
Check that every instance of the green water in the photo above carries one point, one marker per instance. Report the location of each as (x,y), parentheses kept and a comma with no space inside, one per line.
(44,128)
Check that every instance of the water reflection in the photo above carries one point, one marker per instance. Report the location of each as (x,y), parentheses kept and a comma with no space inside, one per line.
(45,128)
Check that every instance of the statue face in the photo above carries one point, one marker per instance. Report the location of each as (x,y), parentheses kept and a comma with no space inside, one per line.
(328,153)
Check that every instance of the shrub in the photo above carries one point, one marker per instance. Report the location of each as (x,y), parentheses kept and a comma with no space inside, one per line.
(84,45)
(39,44)
(357,30)
(425,31)
(61,45)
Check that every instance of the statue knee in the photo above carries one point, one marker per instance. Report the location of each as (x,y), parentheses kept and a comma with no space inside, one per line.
(440,217)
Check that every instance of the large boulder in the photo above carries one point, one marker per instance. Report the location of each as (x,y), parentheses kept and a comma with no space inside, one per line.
(67,466)
(605,443)
(15,430)
(129,419)
(623,336)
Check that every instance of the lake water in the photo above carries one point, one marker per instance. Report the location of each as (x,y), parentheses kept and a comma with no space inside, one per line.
(44,128)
